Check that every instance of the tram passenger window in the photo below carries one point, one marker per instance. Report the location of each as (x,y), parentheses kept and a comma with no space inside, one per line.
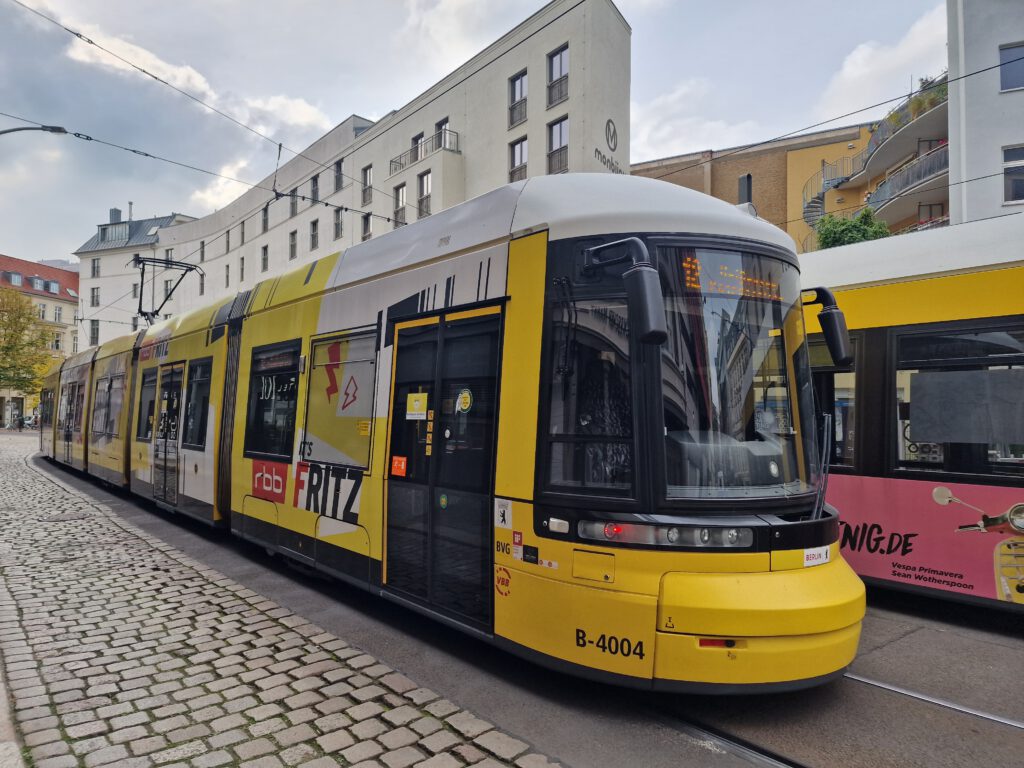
(147,403)
(197,404)
(115,400)
(273,387)
(590,424)
(339,416)
(99,406)
(960,401)
(79,406)
(835,393)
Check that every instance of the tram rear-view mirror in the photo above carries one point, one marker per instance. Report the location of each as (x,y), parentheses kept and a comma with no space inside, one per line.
(833,326)
(643,285)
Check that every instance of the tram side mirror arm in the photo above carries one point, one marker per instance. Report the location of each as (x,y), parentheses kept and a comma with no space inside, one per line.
(643,286)
(833,325)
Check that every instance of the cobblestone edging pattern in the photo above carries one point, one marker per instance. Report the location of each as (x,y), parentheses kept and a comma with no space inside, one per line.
(119,650)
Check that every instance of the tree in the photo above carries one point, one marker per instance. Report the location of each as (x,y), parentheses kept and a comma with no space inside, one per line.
(23,349)
(833,230)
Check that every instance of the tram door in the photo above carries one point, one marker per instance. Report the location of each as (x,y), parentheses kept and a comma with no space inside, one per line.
(441,464)
(165,444)
(68,408)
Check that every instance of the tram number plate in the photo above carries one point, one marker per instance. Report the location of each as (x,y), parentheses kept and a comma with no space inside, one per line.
(617,646)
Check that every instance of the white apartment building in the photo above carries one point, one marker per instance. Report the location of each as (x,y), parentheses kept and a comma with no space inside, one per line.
(986,111)
(550,96)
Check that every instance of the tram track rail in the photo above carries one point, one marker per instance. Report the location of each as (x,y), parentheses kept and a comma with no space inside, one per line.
(716,740)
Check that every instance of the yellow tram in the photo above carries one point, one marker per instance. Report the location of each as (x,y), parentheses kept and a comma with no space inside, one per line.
(571,416)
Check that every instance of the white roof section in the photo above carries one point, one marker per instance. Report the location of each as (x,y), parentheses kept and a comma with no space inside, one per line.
(985,244)
(567,205)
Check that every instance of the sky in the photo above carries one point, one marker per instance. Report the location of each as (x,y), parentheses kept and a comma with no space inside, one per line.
(704,76)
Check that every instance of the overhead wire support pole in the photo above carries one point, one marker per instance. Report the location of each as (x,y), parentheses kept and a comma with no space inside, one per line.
(142,261)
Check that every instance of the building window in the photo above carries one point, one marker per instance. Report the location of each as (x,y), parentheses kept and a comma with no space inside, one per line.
(202,251)
(517,99)
(53,287)
(168,287)
(443,138)
(202,284)
(241,233)
(338,226)
(1013,174)
(314,234)
(42,311)
(264,258)
(399,217)
(417,148)
(135,290)
(57,341)
(94,270)
(74,343)
(227,241)
(367,184)
(273,390)
(135,323)
(293,203)
(367,227)
(293,244)
(558,75)
(241,269)
(168,255)
(58,312)
(930,212)
(1011,67)
(339,174)
(227,275)
(15,278)
(423,185)
(314,189)
(518,155)
(558,146)
(94,332)
(37,283)
(94,297)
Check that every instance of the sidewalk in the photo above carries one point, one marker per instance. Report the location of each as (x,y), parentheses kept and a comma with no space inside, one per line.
(119,650)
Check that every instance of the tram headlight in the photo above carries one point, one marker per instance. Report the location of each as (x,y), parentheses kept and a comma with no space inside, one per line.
(709,537)
(1016,517)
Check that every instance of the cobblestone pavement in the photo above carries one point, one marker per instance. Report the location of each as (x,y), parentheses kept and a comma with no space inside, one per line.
(119,650)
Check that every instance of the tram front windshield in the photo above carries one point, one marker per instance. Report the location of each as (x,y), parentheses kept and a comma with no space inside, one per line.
(736,382)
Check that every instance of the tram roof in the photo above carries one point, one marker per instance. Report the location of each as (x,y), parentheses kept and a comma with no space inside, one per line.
(969,247)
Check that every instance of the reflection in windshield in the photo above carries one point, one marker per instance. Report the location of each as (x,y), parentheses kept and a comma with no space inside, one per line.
(736,382)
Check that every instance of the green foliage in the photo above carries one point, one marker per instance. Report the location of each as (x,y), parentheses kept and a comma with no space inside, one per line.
(23,354)
(833,230)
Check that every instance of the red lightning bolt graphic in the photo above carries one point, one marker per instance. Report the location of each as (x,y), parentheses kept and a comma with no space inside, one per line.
(334,355)
(350,392)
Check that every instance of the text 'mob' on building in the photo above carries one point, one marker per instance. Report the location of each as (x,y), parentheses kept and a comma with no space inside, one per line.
(550,96)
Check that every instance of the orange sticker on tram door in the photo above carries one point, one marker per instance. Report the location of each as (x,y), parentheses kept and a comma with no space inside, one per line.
(398,465)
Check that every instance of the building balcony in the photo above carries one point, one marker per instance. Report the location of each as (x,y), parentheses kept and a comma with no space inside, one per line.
(423,206)
(445,139)
(398,218)
(558,90)
(924,180)
(517,113)
(517,174)
(367,195)
(558,160)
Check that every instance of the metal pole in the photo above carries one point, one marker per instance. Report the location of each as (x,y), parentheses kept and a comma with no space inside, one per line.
(46,128)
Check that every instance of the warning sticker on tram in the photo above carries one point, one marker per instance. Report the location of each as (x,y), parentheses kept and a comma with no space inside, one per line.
(816,556)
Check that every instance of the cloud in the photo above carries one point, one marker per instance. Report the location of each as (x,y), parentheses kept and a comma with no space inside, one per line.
(285,110)
(671,124)
(873,71)
(220,192)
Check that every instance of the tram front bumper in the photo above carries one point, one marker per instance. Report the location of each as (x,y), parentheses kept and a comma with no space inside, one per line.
(761,628)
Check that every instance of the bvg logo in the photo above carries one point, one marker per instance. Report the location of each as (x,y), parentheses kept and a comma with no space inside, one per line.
(268,480)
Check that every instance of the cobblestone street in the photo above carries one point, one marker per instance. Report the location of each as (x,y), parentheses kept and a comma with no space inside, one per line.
(120,650)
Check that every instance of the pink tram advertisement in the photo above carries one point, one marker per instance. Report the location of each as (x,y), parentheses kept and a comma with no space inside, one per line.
(961,538)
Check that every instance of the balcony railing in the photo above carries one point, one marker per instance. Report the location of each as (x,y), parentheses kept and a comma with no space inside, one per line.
(558,160)
(398,218)
(367,195)
(912,174)
(424,206)
(446,139)
(517,113)
(558,90)
(518,173)
(930,96)
(921,226)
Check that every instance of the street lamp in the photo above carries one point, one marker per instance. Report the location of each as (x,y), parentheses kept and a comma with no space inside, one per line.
(47,128)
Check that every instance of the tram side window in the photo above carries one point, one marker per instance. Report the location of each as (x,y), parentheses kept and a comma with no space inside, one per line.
(46,408)
(147,403)
(960,401)
(339,415)
(79,406)
(115,400)
(100,400)
(273,387)
(197,404)
(590,422)
(835,393)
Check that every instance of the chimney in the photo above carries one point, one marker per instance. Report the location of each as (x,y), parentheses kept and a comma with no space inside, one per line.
(115,215)
(129,210)
(746,192)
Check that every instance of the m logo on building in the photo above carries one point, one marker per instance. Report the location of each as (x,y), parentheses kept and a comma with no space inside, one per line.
(611,135)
